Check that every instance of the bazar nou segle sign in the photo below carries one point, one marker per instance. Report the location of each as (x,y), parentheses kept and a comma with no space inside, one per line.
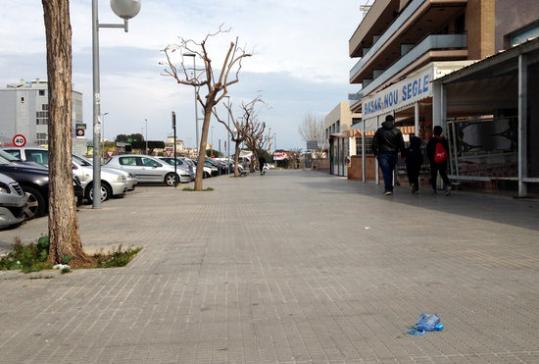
(406,91)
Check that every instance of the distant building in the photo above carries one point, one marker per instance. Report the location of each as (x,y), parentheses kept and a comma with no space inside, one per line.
(312,145)
(24,109)
(340,136)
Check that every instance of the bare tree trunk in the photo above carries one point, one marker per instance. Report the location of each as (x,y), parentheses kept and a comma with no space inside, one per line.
(236,158)
(203,143)
(63,224)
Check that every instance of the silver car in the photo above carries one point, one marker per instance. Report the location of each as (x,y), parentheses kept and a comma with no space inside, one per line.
(149,169)
(184,166)
(113,183)
(130,179)
(12,202)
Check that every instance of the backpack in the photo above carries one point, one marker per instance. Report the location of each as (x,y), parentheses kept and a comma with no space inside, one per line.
(440,154)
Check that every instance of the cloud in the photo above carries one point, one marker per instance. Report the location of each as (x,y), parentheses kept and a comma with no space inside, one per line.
(300,63)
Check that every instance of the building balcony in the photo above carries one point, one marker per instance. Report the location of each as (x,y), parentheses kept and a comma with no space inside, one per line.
(416,20)
(433,48)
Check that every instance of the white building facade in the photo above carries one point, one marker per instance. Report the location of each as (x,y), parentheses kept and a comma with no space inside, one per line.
(24,109)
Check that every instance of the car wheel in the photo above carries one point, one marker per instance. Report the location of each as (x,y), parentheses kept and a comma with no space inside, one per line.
(106,192)
(171,179)
(205,175)
(35,207)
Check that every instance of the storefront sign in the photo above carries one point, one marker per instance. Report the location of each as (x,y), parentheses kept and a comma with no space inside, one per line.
(280,156)
(407,91)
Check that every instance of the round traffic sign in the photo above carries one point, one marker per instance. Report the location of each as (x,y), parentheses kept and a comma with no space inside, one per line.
(19,140)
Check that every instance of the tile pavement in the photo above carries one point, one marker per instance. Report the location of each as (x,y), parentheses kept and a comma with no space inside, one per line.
(292,267)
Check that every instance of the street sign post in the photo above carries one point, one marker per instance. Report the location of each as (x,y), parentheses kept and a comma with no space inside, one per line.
(175,161)
(19,140)
(80,131)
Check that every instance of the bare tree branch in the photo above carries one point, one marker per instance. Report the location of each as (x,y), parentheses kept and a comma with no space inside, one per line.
(216,86)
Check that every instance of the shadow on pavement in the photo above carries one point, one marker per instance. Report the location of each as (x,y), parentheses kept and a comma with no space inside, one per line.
(501,209)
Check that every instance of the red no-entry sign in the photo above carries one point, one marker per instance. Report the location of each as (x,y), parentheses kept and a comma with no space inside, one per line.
(19,140)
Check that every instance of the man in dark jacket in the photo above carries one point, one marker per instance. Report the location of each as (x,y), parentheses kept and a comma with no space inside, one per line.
(386,144)
(414,160)
(437,152)
(261,163)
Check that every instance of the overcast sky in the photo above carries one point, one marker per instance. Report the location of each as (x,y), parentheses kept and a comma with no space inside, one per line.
(301,61)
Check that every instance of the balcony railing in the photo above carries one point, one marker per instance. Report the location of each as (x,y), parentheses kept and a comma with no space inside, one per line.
(356,96)
(392,29)
(432,42)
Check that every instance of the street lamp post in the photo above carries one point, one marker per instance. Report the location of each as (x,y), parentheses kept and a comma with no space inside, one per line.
(212,146)
(146,137)
(196,101)
(125,9)
(228,124)
(175,153)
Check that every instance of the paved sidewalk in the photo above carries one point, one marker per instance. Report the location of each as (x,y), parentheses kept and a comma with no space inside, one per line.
(292,267)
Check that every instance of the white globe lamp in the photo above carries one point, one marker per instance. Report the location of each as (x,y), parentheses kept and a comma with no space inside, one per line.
(125,9)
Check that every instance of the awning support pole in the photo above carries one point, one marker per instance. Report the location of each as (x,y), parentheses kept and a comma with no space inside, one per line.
(363,158)
(416,120)
(376,166)
(522,125)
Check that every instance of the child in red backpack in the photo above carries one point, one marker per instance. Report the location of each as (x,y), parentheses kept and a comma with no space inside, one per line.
(438,154)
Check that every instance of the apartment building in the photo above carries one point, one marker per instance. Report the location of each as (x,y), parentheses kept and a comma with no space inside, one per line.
(404,46)
(24,109)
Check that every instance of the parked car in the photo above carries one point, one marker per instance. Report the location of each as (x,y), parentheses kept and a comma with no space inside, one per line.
(148,169)
(214,171)
(130,179)
(12,202)
(221,167)
(34,180)
(207,170)
(181,164)
(30,154)
(113,183)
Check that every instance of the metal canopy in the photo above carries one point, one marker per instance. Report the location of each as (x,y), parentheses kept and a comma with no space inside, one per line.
(509,56)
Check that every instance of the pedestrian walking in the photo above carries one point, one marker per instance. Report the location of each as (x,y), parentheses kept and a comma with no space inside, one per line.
(261,163)
(437,152)
(414,160)
(386,144)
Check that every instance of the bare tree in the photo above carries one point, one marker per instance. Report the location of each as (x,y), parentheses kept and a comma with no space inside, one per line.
(63,224)
(255,140)
(216,88)
(241,126)
(312,129)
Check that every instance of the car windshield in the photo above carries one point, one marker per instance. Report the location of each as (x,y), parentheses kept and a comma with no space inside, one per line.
(147,162)
(8,157)
(82,161)
(171,161)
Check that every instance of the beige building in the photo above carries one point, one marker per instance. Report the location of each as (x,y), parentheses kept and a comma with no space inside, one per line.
(404,46)
(339,133)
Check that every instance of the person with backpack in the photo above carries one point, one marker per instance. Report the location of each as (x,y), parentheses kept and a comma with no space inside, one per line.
(437,152)
(414,160)
(386,144)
